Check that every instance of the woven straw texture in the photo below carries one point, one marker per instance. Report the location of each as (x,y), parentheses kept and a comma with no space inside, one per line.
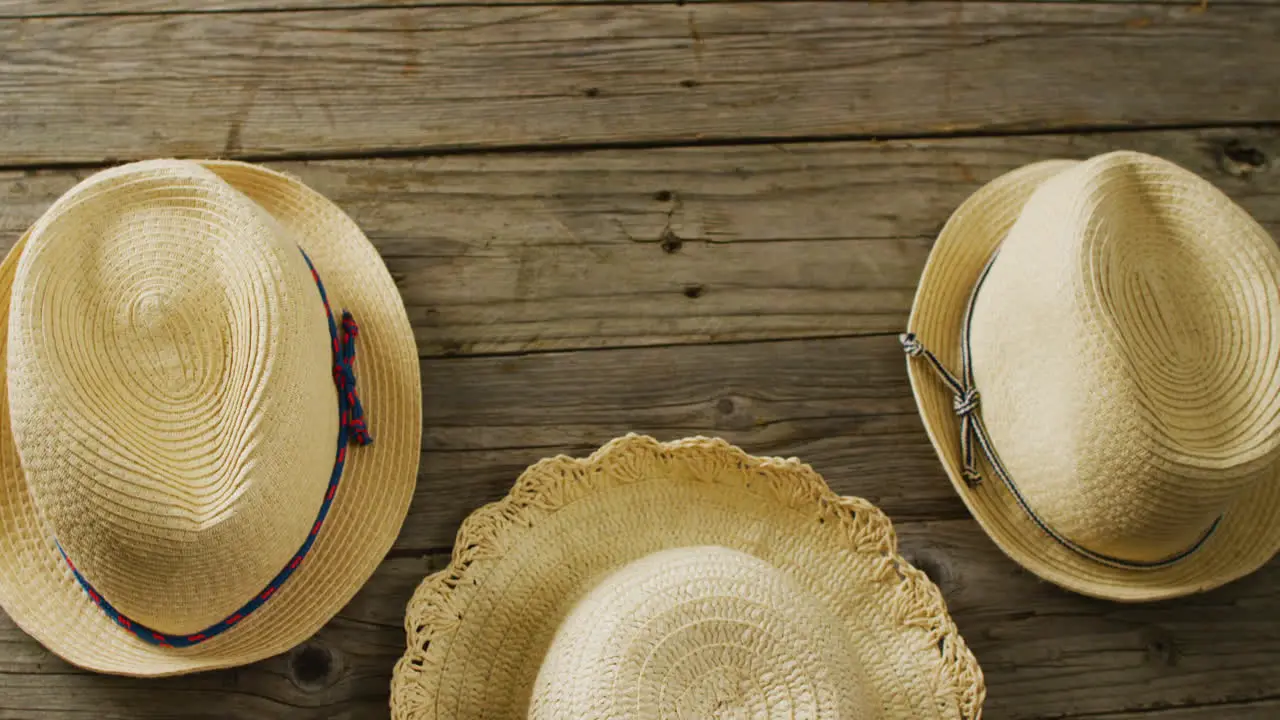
(1126,345)
(680,580)
(170,417)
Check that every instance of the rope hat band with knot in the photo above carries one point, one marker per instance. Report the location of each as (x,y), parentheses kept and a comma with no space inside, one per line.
(975,441)
(1114,329)
(179,361)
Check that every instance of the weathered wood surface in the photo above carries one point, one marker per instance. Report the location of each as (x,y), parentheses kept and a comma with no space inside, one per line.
(1255,710)
(549,251)
(843,405)
(740,287)
(840,404)
(314,83)
(1046,653)
(51,8)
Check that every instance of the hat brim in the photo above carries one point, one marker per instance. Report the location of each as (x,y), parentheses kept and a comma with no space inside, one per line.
(37,588)
(479,630)
(1246,538)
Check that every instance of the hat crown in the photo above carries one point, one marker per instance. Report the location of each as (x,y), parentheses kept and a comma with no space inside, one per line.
(1126,343)
(171,390)
(699,632)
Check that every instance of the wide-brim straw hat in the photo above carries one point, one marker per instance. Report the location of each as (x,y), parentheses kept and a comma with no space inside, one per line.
(176,490)
(681,579)
(1115,423)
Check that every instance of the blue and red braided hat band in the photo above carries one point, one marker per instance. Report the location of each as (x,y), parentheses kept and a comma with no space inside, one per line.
(351,429)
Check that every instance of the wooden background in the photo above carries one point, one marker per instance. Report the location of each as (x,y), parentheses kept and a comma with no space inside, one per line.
(674,218)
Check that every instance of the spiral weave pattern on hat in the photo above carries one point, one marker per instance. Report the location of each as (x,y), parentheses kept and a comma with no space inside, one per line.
(351,428)
(1126,287)
(169,370)
(255,204)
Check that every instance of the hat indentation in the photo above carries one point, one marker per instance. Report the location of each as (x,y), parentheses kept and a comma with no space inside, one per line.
(351,429)
(1127,344)
(171,383)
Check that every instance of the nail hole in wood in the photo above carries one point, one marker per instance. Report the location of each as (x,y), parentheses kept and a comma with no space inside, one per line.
(1240,159)
(1162,650)
(694,292)
(591,92)
(670,244)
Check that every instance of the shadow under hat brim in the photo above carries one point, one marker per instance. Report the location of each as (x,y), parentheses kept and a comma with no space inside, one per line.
(1247,536)
(37,588)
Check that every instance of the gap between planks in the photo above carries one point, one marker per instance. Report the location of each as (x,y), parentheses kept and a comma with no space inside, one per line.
(427,152)
(513,254)
(54,9)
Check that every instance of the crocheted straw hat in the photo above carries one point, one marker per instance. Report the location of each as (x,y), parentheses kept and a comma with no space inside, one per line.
(1121,318)
(176,490)
(680,580)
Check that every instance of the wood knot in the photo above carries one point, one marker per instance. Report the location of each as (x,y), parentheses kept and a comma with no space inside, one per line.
(313,667)
(1239,159)
(670,243)
(736,414)
(1162,650)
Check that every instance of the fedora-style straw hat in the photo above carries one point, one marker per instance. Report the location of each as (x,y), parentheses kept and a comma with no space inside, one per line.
(1095,351)
(176,488)
(680,580)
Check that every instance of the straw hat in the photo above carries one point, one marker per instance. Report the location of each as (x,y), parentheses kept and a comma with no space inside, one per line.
(1121,318)
(176,490)
(680,580)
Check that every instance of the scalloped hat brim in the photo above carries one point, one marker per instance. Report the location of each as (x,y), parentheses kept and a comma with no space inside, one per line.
(479,629)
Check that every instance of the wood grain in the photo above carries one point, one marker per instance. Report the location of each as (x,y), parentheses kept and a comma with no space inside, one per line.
(549,251)
(52,8)
(841,404)
(343,672)
(1245,710)
(1046,653)
(91,88)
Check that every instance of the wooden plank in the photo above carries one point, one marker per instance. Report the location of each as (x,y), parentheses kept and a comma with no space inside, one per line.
(548,251)
(53,8)
(841,404)
(1248,710)
(1046,653)
(85,89)
(343,672)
